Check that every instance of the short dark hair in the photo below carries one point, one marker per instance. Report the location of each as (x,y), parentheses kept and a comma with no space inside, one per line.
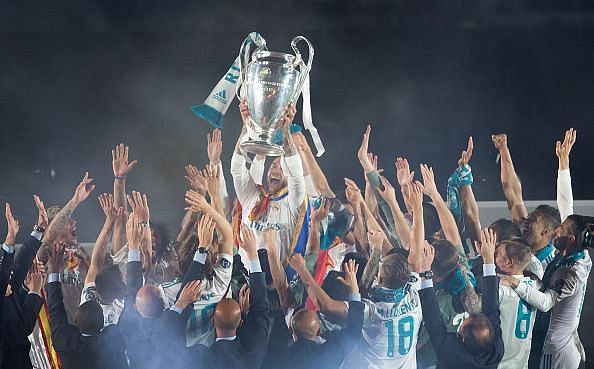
(110,284)
(164,245)
(518,250)
(578,224)
(505,229)
(395,271)
(478,333)
(551,216)
(446,258)
(359,260)
(89,317)
(430,220)
(334,287)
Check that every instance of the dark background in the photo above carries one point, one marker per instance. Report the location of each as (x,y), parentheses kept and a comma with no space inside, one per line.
(79,76)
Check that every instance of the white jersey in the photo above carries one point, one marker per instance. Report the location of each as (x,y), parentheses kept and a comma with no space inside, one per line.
(200,328)
(517,321)
(535,267)
(283,214)
(564,297)
(111,312)
(391,328)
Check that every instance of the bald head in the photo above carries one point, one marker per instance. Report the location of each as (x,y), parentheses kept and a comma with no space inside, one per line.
(149,302)
(306,324)
(227,317)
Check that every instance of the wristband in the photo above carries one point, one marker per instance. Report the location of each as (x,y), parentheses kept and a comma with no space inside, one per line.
(144,225)
(120,178)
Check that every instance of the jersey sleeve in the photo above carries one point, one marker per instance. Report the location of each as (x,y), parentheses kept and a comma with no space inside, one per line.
(563,285)
(368,312)
(293,169)
(564,194)
(222,271)
(245,188)
(89,293)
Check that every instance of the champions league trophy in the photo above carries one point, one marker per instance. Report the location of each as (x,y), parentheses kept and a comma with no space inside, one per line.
(270,82)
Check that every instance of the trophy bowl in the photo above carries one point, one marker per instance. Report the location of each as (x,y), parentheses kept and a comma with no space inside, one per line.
(271,81)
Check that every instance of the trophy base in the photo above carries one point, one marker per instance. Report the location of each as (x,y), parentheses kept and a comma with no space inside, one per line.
(262,148)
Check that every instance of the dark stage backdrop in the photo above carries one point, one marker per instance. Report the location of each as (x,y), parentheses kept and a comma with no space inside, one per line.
(78,77)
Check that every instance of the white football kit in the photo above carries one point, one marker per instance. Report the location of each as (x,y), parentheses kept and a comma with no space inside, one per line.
(200,328)
(517,321)
(391,328)
(564,297)
(111,312)
(281,215)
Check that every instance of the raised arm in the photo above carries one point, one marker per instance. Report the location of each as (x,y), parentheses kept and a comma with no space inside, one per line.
(291,162)
(213,175)
(100,248)
(308,158)
(121,168)
(400,224)
(470,209)
(564,191)
(244,184)
(139,204)
(512,188)
(56,227)
(7,252)
(448,223)
(214,149)
(317,216)
(326,304)
(197,203)
(414,199)
(359,229)
(135,235)
(372,267)
(276,269)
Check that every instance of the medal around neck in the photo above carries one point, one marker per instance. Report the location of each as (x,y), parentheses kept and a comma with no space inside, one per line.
(269,83)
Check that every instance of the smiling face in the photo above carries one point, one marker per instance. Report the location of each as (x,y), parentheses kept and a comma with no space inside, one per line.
(68,235)
(535,231)
(502,261)
(275,177)
(564,240)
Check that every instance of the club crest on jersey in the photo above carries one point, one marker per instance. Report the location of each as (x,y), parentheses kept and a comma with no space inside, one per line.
(225,264)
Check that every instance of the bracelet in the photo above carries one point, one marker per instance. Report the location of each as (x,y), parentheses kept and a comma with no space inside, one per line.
(39,229)
(120,178)
(144,225)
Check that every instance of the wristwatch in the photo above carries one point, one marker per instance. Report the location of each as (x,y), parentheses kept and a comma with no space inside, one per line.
(144,225)
(39,229)
(426,275)
(202,250)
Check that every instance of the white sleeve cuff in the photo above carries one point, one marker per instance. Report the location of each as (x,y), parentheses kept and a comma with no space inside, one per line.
(8,249)
(35,293)
(176,309)
(133,255)
(37,235)
(489,270)
(54,277)
(199,257)
(426,283)
(254,266)
(355,297)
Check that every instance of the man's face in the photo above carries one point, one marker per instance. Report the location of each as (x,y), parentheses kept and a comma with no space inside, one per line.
(534,231)
(68,235)
(503,263)
(276,178)
(564,238)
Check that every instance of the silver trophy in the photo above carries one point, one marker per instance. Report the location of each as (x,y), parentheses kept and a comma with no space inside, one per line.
(269,83)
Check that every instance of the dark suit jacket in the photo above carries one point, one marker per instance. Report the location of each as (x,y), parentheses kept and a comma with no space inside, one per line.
(451,353)
(307,354)
(18,312)
(103,350)
(150,342)
(249,348)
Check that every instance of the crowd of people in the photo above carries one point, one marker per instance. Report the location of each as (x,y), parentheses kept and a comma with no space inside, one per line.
(298,273)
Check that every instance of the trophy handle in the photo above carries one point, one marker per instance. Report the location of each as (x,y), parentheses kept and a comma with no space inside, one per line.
(245,53)
(303,68)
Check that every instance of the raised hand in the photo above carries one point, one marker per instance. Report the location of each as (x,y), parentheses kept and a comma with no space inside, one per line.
(375,237)
(190,294)
(244,110)
(206,227)
(287,117)
(301,142)
(119,161)
(388,193)
(508,280)
(427,256)
(298,263)
(106,203)
(353,193)
(350,276)
(244,299)
(500,141)
(466,154)
(373,159)
(35,278)
(414,197)
(139,205)
(83,190)
(486,247)
(214,147)
(429,186)
(56,260)
(211,173)
(321,213)
(134,231)
(247,241)
(403,173)
(564,149)
(13,226)
(269,240)
(362,154)
(196,179)
(42,218)
(197,202)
